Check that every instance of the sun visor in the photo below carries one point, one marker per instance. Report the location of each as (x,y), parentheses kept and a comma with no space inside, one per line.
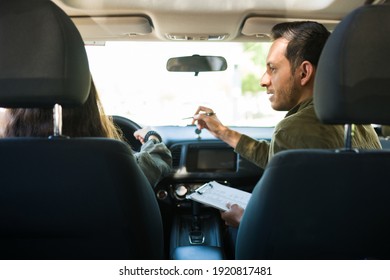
(261,26)
(111,28)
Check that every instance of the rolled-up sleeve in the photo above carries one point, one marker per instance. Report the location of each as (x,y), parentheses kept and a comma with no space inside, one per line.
(253,150)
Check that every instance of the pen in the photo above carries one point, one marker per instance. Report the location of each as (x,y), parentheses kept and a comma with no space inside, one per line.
(206,114)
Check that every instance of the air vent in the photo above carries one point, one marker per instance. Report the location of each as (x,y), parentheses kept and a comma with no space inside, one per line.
(197,37)
(176,155)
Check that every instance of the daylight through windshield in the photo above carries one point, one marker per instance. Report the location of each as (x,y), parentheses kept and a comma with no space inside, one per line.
(133,82)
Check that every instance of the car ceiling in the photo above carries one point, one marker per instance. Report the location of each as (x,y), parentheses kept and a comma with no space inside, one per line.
(216,20)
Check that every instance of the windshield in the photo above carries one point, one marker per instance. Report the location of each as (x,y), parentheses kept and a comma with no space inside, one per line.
(133,82)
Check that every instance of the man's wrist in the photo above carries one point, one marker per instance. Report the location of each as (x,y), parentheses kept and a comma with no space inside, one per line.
(230,136)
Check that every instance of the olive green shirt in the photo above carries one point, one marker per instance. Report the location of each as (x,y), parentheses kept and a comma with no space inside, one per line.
(301,129)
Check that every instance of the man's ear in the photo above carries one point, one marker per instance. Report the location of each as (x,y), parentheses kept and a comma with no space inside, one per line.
(306,72)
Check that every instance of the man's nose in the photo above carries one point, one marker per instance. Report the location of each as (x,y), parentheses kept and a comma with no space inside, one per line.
(265,80)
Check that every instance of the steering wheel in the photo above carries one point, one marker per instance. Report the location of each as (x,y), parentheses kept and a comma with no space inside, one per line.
(128,128)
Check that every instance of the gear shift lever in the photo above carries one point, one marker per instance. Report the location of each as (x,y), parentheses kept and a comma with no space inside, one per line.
(196,235)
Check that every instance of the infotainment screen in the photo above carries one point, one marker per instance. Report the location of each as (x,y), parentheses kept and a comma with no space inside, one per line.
(201,159)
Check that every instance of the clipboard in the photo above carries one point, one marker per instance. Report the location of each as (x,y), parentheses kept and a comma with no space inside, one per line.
(218,195)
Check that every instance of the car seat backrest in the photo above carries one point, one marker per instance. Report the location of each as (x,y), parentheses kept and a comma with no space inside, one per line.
(43,59)
(352,84)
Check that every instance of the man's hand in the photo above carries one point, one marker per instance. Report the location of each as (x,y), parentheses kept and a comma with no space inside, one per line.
(233,215)
(207,118)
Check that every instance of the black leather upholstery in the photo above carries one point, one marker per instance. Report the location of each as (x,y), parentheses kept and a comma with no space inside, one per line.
(353,76)
(76,199)
(318,204)
(81,198)
(43,59)
(325,204)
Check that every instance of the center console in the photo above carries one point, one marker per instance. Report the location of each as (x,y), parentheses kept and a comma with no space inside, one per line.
(197,231)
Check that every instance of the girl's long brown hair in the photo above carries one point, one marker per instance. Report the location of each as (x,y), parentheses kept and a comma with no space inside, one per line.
(88,120)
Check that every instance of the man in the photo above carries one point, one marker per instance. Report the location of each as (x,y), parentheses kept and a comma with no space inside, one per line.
(289,79)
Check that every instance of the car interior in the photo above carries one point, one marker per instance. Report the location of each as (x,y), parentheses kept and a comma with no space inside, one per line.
(86,198)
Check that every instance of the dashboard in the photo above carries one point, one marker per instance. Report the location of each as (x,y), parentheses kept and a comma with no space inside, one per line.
(198,159)
(196,163)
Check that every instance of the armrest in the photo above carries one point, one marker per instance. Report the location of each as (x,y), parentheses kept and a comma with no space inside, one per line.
(198,252)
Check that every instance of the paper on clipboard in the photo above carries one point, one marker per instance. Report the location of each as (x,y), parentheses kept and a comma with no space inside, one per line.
(217,195)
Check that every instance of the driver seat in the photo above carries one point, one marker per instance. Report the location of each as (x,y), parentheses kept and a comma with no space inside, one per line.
(64,198)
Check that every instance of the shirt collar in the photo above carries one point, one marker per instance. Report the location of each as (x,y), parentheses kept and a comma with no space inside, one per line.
(300,106)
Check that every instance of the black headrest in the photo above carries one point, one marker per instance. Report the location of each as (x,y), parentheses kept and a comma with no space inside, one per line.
(42,56)
(352,83)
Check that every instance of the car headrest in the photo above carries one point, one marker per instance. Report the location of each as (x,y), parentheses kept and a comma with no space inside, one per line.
(43,60)
(352,84)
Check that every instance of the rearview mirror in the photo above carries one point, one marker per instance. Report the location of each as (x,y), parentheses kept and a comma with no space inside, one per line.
(196,63)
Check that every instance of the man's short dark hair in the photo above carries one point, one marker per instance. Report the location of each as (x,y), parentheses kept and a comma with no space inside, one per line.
(306,40)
